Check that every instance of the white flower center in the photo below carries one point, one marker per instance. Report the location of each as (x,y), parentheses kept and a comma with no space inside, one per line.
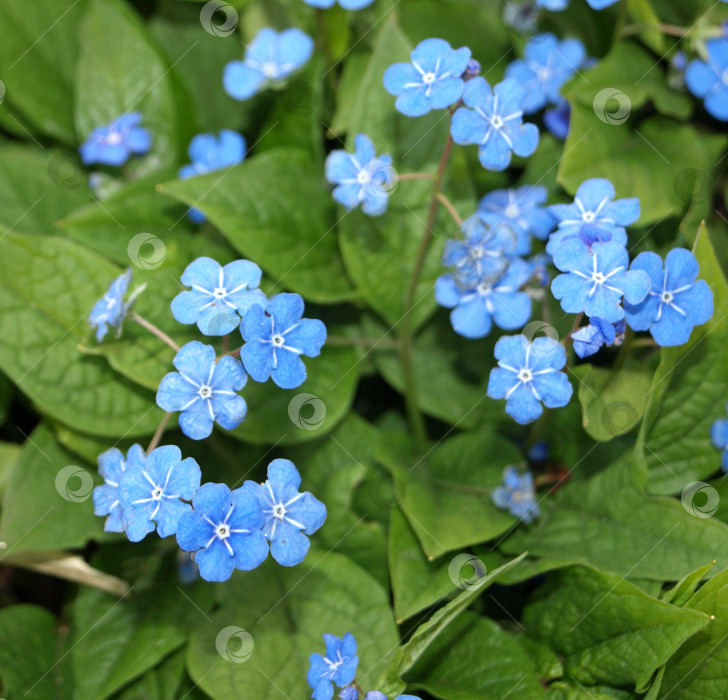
(512,211)
(429,78)
(157,494)
(219,292)
(279,511)
(667,297)
(599,278)
(484,288)
(113,138)
(269,70)
(204,392)
(543,74)
(223,531)
(496,121)
(278,340)
(588,216)
(525,375)
(363,177)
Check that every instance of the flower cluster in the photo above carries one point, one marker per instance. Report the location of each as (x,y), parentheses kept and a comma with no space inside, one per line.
(517,495)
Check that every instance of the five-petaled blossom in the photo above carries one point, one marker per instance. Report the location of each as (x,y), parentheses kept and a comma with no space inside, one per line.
(676,303)
(270,57)
(361,177)
(337,666)
(155,492)
(546,65)
(116,142)
(432,81)
(493,120)
(110,310)
(112,465)
(346,4)
(224,531)
(517,495)
(709,80)
(275,338)
(203,390)
(529,374)
(597,279)
(719,438)
(220,296)
(209,153)
(588,340)
(594,205)
(289,516)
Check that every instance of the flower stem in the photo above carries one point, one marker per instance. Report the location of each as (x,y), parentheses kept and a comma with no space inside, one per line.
(361,342)
(133,316)
(445,201)
(415,176)
(159,432)
(226,344)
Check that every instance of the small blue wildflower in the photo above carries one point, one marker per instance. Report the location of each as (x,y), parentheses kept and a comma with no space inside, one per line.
(187,571)
(289,516)
(546,65)
(269,58)
(361,177)
(276,337)
(110,310)
(203,390)
(116,142)
(527,375)
(472,69)
(337,666)
(378,695)
(709,80)
(540,263)
(596,280)
(112,465)
(594,205)
(719,438)
(346,4)
(493,120)
(558,5)
(349,693)
(517,495)
(432,81)
(223,531)
(477,307)
(539,452)
(676,303)
(219,297)
(590,339)
(679,61)
(558,119)
(154,492)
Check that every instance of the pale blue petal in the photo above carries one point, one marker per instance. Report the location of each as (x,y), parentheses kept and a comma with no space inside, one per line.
(307,336)
(290,372)
(241,81)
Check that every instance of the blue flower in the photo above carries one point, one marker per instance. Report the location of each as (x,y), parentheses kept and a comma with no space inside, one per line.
(276,337)
(558,5)
(269,58)
(521,209)
(349,693)
(209,153)
(527,375)
(676,302)
(432,81)
(378,695)
(154,492)
(558,119)
(346,4)
(203,390)
(719,438)
(589,339)
(597,280)
(115,143)
(110,310)
(493,119)
(220,296)
(224,531)
(106,497)
(476,307)
(540,263)
(546,65)
(361,177)
(289,516)
(337,666)
(517,495)
(709,80)
(594,205)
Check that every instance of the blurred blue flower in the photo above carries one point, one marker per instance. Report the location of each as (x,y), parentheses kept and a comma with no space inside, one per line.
(110,310)
(289,516)
(719,438)
(337,666)
(590,339)
(558,5)
(112,465)
(432,81)
(361,177)
(709,80)
(558,119)
(116,142)
(276,337)
(493,120)
(517,495)
(378,695)
(218,294)
(154,492)
(596,280)
(349,693)
(269,58)
(676,302)
(346,4)
(527,375)
(546,65)
(224,531)
(540,263)
(203,390)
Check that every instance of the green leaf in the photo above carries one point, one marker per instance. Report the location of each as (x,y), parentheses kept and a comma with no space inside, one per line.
(275,210)
(613,403)
(37,58)
(688,393)
(47,502)
(286,611)
(165,682)
(9,452)
(642,12)
(606,628)
(683,590)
